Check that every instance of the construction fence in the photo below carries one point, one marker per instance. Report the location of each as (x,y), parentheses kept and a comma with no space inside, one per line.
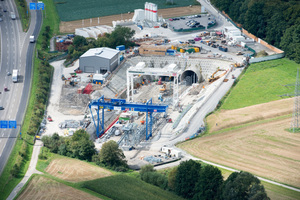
(279,52)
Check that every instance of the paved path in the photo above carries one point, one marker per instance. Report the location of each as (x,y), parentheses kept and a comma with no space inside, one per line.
(31,169)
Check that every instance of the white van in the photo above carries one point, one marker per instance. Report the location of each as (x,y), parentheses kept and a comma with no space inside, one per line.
(12,15)
(31,38)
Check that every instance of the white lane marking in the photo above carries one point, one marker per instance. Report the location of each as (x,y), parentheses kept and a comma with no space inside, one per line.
(2,146)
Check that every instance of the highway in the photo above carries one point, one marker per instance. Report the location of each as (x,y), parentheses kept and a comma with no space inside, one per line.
(16,53)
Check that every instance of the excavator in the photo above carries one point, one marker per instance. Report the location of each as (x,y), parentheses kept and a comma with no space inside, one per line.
(163,88)
(214,78)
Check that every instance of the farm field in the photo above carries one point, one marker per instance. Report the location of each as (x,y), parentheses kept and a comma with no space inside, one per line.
(74,170)
(41,187)
(69,10)
(266,149)
(122,187)
(70,26)
(262,82)
(223,119)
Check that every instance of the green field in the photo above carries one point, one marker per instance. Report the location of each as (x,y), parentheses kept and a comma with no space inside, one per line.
(262,82)
(70,10)
(123,187)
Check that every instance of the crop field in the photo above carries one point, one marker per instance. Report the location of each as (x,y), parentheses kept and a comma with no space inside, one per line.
(266,150)
(263,82)
(41,187)
(122,187)
(69,10)
(223,119)
(74,170)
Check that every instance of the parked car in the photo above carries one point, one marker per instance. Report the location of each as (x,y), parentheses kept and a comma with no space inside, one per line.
(1,108)
(171,19)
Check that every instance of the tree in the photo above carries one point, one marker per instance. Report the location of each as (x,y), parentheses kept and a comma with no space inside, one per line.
(209,185)
(187,175)
(243,186)
(81,146)
(145,169)
(172,179)
(79,41)
(290,42)
(111,155)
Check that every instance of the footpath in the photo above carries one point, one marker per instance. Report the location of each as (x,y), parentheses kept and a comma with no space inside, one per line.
(31,169)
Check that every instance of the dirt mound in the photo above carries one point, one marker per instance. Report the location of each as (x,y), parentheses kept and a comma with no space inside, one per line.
(75,170)
(230,118)
(44,188)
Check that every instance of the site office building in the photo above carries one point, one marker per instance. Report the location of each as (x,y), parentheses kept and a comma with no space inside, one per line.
(99,60)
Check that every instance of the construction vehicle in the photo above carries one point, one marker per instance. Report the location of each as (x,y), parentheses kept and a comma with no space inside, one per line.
(163,88)
(214,78)
(237,65)
(63,77)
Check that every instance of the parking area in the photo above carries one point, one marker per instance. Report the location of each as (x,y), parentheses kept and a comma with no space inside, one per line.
(191,21)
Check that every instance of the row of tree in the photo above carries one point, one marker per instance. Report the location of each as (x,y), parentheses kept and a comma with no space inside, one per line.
(81,147)
(120,36)
(193,181)
(276,21)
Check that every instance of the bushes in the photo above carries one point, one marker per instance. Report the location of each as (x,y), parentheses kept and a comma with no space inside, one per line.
(120,36)
(78,146)
(149,175)
(192,181)
(19,160)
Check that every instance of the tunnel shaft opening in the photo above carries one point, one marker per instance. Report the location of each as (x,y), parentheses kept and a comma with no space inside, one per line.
(189,77)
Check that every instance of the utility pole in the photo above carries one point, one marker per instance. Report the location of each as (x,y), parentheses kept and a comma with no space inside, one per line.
(295,121)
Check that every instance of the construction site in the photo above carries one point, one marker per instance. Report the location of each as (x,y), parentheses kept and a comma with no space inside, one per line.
(147,98)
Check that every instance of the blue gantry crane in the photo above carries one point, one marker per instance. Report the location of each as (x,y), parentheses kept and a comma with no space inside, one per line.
(121,104)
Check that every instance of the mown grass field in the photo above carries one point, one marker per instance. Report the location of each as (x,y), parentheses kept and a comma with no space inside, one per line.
(70,10)
(262,82)
(123,187)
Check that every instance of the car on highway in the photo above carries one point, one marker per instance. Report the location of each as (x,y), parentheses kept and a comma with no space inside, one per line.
(1,19)
(1,108)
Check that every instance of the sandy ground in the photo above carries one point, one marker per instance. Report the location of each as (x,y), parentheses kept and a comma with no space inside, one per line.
(266,150)
(74,170)
(69,27)
(229,118)
(53,107)
(44,188)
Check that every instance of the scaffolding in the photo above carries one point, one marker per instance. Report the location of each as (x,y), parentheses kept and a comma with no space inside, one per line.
(170,70)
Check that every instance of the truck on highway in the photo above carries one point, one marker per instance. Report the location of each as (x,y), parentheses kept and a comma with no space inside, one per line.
(12,15)
(15,75)
(31,38)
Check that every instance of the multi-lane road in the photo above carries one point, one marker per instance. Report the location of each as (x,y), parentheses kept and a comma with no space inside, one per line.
(16,53)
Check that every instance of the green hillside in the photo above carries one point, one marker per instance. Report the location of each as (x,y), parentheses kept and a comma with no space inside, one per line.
(122,187)
(262,82)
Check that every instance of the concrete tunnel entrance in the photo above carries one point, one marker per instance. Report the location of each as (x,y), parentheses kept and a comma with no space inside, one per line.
(189,77)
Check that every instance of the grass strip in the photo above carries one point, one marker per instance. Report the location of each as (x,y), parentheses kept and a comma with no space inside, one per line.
(24,14)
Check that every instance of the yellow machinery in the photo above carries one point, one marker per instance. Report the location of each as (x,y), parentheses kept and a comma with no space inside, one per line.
(163,88)
(214,78)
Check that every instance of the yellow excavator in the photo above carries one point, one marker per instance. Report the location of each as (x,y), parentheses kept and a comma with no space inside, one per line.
(214,78)
(163,88)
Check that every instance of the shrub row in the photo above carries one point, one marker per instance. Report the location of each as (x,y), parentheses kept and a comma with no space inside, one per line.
(19,160)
